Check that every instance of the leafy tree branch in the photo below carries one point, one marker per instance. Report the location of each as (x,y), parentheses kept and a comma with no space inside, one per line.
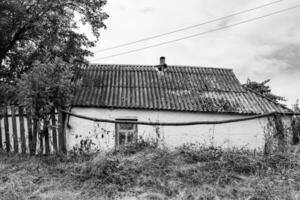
(35,30)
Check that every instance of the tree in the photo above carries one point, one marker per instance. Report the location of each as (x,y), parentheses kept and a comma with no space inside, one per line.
(296,106)
(7,94)
(44,88)
(41,30)
(263,89)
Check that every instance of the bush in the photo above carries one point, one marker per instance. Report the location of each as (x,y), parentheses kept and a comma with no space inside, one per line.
(140,145)
(143,165)
(280,161)
(196,153)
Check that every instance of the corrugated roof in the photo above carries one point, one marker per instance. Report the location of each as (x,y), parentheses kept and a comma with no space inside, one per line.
(177,88)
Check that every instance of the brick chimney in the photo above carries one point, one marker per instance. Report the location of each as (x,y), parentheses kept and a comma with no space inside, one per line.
(162,64)
(162,60)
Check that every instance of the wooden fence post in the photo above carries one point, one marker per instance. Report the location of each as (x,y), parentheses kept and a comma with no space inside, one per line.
(6,129)
(1,116)
(22,130)
(34,135)
(295,130)
(54,135)
(280,133)
(61,132)
(64,126)
(29,127)
(14,129)
(41,137)
(46,136)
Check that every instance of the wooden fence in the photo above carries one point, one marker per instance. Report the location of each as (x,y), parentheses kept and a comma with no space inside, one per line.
(20,133)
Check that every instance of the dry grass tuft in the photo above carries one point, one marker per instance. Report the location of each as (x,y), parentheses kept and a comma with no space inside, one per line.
(147,172)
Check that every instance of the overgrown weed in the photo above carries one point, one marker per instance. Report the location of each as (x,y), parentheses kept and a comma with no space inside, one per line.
(187,172)
(168,171)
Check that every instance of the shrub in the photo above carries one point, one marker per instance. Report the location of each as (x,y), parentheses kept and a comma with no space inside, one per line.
(196,153)
(140,145)
(168,171)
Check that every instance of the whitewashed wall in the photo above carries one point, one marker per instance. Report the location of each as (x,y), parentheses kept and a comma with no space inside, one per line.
(248,134)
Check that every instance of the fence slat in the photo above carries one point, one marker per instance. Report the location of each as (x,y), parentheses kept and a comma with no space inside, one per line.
(14,137)
(61,133)
(54,135)
(41,137)
(29,127)
(14,129)
(46,134)
(1,147)
(34,134)
(22,130)
(60,140)
(280,133)
(6,129)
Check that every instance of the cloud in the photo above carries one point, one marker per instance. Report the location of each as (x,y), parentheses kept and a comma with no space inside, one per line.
(122,7)
(147,10)
(268,48)
(289,55)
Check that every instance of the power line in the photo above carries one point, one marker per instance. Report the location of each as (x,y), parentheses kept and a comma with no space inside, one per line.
(187,27)
(198,34)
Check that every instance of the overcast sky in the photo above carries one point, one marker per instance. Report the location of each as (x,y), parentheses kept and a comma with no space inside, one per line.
(265,49)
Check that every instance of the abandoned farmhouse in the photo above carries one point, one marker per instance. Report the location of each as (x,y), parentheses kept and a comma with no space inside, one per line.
(167,93)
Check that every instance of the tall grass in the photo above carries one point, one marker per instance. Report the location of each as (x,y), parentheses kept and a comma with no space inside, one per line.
(169,172)
(143,171)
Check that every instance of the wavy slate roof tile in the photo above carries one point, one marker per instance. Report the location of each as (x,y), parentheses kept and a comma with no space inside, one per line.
(177,88)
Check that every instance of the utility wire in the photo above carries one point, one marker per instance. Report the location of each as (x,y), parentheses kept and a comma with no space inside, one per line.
(187,27)
(199,34)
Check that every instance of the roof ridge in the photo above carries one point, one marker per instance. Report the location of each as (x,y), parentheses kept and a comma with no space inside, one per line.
(143,65)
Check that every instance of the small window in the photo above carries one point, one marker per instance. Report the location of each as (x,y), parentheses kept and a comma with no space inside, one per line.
(126,133)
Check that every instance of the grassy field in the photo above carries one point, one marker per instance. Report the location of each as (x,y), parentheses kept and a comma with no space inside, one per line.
(144,172)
